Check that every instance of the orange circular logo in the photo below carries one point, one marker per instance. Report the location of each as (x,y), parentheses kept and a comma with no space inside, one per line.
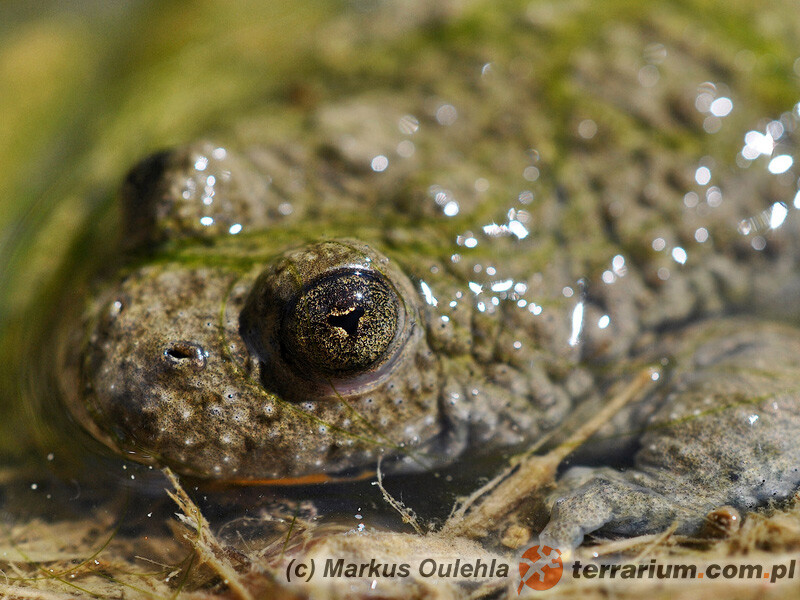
(540,568)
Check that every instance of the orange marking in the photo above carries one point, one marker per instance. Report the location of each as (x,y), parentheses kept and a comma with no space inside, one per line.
(312,479)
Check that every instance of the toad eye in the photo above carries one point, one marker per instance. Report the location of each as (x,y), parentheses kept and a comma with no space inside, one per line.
(342,324)
(330,318)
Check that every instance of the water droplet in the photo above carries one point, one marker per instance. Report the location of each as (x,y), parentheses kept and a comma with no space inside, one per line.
(451,208)
(587,129)
(379,163)
(701,234)
(408,124)
(702,176)
(406,149)
(778,215)
(446,114)
(780,164)
(428,294)
(648,76)
(531,173)
(721,107)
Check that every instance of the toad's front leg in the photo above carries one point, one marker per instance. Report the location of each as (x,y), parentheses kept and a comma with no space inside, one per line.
(727,433)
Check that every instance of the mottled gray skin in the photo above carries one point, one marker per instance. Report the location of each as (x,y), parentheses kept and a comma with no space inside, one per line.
(180,363)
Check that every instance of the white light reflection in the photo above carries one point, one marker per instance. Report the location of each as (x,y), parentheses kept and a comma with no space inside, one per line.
(206,221)
(451,208)
(502,286)
(429,297)
(618,265)
(235,228)
(702,176)
(756,144)
(518,229)
(577,324)
(679,255)
(721,107)
(379,163)
(408,124)
(701,234)
(604,322)
(777,215)
(780,164)
(513,227)
(476,288)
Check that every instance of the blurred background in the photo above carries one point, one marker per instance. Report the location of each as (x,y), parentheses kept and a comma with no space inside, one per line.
(88,87)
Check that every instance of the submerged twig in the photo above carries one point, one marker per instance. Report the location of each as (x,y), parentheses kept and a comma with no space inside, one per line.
(406,513)
(516,484)
(208,549)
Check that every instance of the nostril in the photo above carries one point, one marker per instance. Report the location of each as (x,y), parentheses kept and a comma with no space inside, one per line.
(182,353)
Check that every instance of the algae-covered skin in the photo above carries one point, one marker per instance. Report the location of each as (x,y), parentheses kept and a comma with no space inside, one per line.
(450,252)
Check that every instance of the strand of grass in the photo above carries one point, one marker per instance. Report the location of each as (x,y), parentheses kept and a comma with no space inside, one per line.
(82,564)
(658,541)
(125,584)
(621,545)
(208,549)
(184,578)
(460,510)
(289,533)
(47,574)
(515,485)
(406,514)
(28,593)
